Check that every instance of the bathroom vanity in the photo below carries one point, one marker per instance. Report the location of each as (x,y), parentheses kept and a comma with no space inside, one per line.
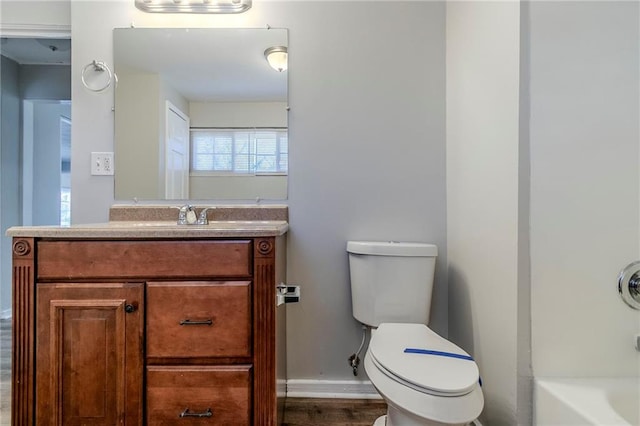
(148,322)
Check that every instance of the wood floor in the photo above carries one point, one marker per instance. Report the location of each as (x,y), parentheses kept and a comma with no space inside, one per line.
(335,412)
(298,411)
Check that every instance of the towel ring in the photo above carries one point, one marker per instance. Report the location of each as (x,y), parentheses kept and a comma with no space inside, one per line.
(98,66)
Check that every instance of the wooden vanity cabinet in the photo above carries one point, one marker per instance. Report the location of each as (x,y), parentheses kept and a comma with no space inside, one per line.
(145,331)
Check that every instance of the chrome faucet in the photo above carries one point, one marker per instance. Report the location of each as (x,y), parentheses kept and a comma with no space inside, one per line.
(187,215)
(203,219)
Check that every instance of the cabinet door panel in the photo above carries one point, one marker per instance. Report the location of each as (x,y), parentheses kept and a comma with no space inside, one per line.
(198,319)
(89,354)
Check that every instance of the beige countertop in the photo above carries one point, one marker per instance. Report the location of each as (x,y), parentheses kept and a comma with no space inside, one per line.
(156,229)
(161,222)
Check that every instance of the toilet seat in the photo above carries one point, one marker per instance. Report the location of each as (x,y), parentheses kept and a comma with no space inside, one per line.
(424,399)
(419,358)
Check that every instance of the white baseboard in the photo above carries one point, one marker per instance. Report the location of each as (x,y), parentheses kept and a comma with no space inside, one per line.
(5,314)
(342,389)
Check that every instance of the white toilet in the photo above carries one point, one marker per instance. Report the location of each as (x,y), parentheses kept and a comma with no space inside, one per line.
(424,378)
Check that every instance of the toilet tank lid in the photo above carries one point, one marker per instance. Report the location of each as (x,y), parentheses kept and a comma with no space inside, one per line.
(392,248)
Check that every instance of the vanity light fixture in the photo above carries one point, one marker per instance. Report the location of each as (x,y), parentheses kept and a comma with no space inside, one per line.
(277,57)
(194,6)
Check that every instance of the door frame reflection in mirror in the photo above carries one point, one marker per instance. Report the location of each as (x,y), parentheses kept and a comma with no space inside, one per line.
(219,77)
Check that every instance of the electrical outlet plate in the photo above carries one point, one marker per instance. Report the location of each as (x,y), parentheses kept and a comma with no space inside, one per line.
(102,163)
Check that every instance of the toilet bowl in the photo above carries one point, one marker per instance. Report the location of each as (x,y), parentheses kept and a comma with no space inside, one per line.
(424,378)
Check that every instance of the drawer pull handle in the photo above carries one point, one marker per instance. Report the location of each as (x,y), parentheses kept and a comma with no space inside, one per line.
(196,322)
(186,413)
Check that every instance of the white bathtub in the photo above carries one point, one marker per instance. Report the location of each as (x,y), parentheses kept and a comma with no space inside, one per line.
(602,402)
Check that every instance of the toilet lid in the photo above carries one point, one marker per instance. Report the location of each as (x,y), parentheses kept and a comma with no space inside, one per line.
(414,354)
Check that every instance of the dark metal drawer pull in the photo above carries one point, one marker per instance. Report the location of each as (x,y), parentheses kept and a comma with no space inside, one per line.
(196,322)
(186,413)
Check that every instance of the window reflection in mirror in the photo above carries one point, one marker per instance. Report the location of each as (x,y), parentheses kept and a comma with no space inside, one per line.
(199,114)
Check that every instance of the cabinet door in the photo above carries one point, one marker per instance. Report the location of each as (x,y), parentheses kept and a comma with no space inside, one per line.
(89,354)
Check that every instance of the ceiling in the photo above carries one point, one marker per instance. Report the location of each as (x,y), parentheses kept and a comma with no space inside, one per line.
(37,51)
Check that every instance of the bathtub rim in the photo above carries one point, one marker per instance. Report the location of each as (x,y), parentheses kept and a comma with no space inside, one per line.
(587,399)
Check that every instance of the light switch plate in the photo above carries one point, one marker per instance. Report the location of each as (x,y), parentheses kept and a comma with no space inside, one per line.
(102,163)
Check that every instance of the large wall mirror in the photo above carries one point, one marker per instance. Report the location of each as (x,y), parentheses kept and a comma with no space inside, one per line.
(199,114)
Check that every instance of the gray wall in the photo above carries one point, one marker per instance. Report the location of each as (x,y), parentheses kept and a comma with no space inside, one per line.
(367,148)
(367,160)
(48,17)
(9,172)
(585,132)
(483,197)
(36,82)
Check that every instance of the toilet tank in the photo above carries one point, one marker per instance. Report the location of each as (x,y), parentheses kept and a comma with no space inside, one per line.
(391,281)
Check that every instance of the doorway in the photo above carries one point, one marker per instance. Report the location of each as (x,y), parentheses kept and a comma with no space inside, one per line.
(36,83)
(46,162)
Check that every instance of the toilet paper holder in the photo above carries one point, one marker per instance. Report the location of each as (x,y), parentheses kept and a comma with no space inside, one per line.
(287,294)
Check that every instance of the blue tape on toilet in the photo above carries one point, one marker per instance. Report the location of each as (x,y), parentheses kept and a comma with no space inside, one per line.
(438,353)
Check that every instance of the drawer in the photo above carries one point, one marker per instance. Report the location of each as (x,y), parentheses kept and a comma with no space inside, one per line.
(198,319)
(138,259)
(199,395)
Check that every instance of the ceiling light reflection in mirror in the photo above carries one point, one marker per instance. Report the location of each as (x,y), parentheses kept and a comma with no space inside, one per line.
(217,79)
